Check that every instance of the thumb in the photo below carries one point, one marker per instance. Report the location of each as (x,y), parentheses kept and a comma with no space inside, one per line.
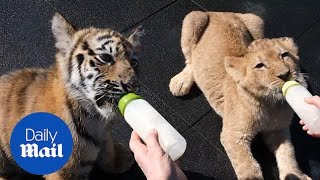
(152,142)
(315,100)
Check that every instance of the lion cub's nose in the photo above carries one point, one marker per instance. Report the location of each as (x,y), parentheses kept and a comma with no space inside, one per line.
(284,76)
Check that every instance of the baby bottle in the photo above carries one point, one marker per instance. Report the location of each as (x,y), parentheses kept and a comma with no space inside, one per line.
(142,117)
(310,114)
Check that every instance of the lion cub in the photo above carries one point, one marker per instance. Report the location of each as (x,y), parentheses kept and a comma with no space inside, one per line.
(241,76)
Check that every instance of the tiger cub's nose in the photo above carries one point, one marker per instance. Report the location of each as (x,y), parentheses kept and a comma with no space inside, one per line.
(130,86)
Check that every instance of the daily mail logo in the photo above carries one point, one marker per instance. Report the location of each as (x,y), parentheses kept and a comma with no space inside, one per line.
(32,150)
(41,143)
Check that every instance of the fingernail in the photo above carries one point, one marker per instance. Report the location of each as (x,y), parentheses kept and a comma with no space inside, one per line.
(154,131)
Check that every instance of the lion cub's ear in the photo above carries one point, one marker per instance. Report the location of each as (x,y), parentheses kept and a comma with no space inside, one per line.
(289,44)
(235,67)
(63,33)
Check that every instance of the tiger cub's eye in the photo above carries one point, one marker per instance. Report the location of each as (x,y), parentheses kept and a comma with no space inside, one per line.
(107,58)
(134,62)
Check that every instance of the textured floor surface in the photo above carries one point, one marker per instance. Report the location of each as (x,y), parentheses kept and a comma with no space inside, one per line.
(27,41)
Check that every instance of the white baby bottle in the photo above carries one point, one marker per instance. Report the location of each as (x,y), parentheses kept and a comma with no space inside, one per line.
(142,117)
(310,114)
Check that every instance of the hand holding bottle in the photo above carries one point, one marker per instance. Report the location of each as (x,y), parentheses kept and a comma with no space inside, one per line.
(295,95)
(153,161)
(315,100)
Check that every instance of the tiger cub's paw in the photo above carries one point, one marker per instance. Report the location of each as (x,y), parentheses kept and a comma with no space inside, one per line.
(123,158)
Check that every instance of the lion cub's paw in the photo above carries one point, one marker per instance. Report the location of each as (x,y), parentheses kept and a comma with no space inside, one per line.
(181,84)
(124,158)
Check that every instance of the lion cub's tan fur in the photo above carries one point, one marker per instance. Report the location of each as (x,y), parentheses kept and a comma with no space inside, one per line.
(241,78)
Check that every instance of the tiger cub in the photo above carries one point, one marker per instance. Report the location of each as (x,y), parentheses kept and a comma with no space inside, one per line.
(93,68)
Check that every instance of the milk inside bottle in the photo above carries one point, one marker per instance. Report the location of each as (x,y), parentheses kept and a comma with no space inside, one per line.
(142,117)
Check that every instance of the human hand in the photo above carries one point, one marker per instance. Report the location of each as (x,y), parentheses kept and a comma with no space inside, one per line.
(153,161)
(315,100)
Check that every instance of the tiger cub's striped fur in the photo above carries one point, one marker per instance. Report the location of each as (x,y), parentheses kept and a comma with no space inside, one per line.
(93,69)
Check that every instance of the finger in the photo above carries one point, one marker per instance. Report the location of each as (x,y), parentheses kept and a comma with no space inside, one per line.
(138,148)
(136,145)
(315,100)
(153,144)
(310,133)
(313,134)
(305,128)
(301,122)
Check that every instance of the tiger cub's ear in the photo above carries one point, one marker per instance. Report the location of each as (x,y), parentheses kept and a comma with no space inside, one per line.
(134,39)
(63,33)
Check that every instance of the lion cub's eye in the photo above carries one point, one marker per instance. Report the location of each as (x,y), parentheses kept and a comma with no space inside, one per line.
(284,55)
(259,66)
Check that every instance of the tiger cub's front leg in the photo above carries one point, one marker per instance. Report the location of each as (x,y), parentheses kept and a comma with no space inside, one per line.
(81,172)
(7,169)
(80,164)
(114,157)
